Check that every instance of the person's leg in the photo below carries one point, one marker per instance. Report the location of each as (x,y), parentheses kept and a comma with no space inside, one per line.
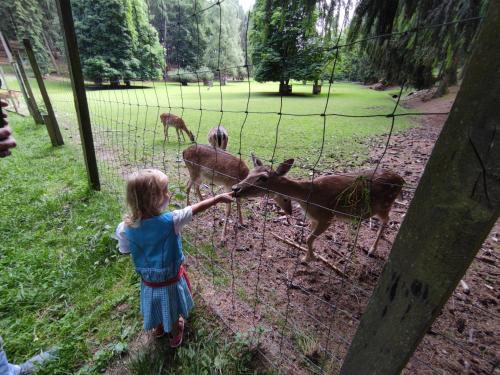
(177,333)
(27,367)
(5,367)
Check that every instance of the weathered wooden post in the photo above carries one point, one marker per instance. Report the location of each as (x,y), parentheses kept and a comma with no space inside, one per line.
(30,98)
(77,82)
(50,120)
(22,79)
(455,206)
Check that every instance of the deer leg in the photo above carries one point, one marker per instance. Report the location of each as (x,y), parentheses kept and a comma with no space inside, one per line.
(228,212)
(380,233)
(165,131)
(198,192)
(317,228)
(188,190)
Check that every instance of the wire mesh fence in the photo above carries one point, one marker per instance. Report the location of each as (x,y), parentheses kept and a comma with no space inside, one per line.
(300,316)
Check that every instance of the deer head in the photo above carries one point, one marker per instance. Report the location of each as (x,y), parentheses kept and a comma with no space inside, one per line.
(262,179)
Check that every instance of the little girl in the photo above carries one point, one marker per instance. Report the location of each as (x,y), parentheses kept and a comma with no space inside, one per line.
(153,238)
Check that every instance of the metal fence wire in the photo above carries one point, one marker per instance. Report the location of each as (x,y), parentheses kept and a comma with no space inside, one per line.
(300,317)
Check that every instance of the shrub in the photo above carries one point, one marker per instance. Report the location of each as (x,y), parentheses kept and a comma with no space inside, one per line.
(97,70)
(182,75)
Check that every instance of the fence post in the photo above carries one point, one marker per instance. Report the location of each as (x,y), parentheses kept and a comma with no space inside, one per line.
(30,98)
(455,206)
(77,82)
(52,125)
(8,52)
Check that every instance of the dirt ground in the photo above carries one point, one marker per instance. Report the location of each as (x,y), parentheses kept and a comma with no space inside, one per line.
(306,315)
(303,317)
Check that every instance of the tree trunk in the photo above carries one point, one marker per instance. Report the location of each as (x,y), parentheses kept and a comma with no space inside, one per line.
(316,88)
(52,57)
(423,77)
(443,87)
(448,79)
(285,88)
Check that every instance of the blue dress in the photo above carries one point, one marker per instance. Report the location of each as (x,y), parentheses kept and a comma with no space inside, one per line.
(157,255)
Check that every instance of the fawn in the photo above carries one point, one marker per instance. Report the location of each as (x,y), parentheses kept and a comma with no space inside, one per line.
(12,95)
(169,119)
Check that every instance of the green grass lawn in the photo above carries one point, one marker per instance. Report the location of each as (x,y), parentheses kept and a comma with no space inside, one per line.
(62,282)
(127,121)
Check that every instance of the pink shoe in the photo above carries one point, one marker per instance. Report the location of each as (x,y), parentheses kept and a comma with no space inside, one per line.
(159,331)
(176,341)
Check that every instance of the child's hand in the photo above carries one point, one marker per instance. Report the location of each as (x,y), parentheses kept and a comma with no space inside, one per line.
(224,198)
(203,205)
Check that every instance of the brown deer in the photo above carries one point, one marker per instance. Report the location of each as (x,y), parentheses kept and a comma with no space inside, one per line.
(169,119)
(218,137)
(13,96)
(357,195)
(218,167)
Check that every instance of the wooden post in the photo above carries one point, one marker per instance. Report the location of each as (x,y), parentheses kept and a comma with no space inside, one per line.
(52,125)
(30,98)
(77,82)
(17,65)
(455,206)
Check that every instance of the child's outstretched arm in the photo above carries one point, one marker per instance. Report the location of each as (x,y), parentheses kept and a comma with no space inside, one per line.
(207,203)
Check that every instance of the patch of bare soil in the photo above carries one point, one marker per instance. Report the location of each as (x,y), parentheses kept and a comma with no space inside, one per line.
(309,312)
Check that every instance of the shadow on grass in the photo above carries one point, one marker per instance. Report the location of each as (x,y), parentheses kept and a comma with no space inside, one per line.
(120,87)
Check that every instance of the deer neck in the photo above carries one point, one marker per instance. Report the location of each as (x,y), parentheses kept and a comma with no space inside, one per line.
(293,188)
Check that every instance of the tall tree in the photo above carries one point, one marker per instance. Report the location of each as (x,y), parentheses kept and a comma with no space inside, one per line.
(224,47)
(23,19)
(181,26)
(51,34)
(146,45)
(282,40)
(116,41)
(413,56)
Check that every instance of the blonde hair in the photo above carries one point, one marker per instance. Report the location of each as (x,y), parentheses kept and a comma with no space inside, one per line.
(146,192)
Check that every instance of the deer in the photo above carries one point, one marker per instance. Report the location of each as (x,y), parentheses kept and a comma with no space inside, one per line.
(12,95)
(169,119)
(219,167)
(356,195)
(218,137)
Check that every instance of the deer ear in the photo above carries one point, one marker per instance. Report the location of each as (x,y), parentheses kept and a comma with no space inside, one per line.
(284,167)
(256,161)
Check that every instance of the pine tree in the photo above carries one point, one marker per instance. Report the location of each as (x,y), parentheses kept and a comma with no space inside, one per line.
(116,41)
(182,29)
(146,45)
(226,53)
